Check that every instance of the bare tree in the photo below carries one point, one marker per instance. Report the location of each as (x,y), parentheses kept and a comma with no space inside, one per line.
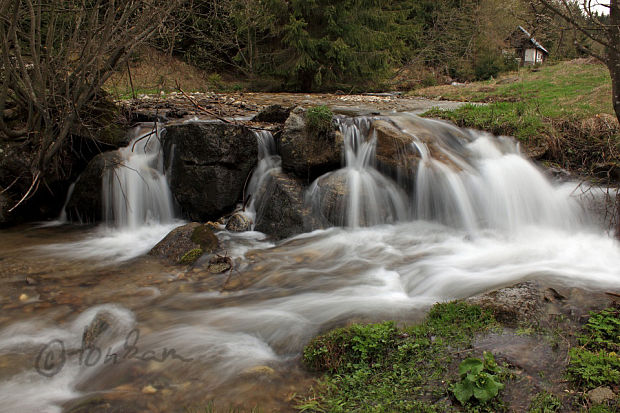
(56,56)
(604,32)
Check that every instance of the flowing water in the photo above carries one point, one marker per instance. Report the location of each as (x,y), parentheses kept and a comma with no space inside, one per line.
(476,216)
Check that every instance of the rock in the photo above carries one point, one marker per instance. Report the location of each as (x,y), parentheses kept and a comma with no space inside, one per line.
(305,154)
(273,114)
(100,324)
(281,212)
(328,199)
(395,152)
(191,257)
(209,164)
(259,371)
(601,395)
(24,297)
(204,236)
(522,302)
(86,204)
(238,222)
(149,390)
(183,240)
(5,205)
(218,265)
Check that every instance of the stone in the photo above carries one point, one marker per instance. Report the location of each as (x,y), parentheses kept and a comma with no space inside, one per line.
(23,297)
(273,114)
(601,395)
(512,305)
(100,324)
(395,152)
(281,212)
(184,239)
(239,222)
(149,390)
(86,202)
(208,166)
(306,154)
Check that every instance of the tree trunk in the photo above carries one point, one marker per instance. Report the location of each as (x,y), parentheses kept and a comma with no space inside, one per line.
(613,61)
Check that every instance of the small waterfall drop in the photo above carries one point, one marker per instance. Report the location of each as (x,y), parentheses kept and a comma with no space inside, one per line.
(358,194)
(269,163)
(136,192)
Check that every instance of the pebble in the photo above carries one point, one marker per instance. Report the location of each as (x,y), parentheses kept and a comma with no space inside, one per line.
(23,297)
(149,390)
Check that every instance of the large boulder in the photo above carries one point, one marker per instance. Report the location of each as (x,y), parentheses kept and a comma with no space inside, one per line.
(208,166)
(280,210)
(85,204)
(306,153)
(519,303)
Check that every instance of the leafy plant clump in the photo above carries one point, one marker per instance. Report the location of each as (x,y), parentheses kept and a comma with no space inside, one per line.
(478,380)
(544,402)
(381,368)
(319,119)
(596,362)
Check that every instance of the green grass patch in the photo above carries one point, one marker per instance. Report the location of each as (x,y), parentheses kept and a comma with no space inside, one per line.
(381,368)
(545,402)
(596,362)
(319,119)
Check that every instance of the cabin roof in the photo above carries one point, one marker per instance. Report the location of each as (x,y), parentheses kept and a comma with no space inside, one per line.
(533,41)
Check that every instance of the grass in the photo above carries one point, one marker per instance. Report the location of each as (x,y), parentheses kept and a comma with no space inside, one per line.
(565,108)
(381,368)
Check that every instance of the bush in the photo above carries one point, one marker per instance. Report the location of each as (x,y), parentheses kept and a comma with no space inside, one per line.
(478,380)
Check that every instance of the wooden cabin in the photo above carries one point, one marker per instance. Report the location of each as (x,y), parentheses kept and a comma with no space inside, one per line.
(526,48)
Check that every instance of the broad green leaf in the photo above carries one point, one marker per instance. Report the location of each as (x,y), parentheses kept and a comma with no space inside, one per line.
(470,365)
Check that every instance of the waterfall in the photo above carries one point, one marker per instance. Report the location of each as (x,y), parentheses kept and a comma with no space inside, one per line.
(463,179)
(269,163)
(365,196)
(136,192)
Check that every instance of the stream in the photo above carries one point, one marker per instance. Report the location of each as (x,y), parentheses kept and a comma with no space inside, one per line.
(479,216)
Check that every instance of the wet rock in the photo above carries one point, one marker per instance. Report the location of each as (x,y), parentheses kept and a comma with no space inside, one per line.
(177,243)
(329,199)
(191,257)
(395,153)
(601,395)
(100,324)
(307,154)
(273,114)
(86,203)
(520,303)
(149,390)
(219,264)
(203,235)
(238,222)
(209,164)
(281,212)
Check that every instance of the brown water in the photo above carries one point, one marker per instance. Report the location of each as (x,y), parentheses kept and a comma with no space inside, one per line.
(243,335)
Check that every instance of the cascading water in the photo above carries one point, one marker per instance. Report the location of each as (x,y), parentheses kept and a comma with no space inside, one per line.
(464,179)
(138,207)
(135,192)
(269,162)
(240,344)
(357,194)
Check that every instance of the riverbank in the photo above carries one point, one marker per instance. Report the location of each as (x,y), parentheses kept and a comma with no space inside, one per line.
(562,112)
(537,347)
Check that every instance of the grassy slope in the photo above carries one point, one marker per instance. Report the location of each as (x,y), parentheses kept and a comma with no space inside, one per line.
(565,108)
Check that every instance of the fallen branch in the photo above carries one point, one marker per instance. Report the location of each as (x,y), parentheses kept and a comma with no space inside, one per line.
(35,181)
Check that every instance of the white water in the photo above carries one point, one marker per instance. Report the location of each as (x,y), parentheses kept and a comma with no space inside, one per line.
(481,217)
(138,207)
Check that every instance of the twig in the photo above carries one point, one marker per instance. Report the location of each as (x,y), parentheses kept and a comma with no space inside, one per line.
(612,294)
(34,181)
(198,106)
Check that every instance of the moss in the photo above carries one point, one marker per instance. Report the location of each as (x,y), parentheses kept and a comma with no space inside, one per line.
(191,256)
(204,236)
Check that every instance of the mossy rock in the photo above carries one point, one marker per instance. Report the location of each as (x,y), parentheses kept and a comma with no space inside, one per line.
(191,257)
(204,236)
